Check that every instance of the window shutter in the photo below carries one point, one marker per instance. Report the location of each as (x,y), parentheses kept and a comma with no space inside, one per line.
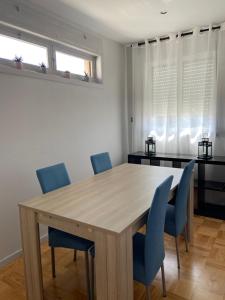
(164,90)
(198,87)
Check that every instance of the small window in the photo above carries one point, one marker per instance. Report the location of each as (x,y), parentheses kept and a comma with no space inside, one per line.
(73,64)
(34,55)
(30,53)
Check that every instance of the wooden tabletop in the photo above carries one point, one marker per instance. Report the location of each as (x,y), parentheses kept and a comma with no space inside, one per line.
(111,201)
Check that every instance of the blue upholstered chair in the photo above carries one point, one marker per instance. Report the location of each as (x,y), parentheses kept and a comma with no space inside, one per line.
(101,162)
(148,250)
(52,178)
(176,215)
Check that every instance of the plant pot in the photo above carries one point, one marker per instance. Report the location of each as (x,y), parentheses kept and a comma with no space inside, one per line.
(44,70)
(85,78)
(67,74)
(19,65)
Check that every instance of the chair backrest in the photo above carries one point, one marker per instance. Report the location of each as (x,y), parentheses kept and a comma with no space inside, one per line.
(182,198)
(154,240)
(101,162)
(53,177)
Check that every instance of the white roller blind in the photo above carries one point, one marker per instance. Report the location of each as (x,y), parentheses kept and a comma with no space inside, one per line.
(198,86)
(164,92)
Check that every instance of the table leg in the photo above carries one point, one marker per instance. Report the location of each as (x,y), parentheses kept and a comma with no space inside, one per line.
(190,210)
(31,254)
(114,266)
(201,187)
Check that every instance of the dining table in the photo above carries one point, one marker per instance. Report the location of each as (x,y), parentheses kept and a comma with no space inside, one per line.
(108,209)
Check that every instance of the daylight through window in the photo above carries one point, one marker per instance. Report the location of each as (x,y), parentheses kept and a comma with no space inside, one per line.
(31,53)
(73,64)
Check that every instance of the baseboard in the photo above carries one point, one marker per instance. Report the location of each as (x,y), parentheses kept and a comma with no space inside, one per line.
(9,258)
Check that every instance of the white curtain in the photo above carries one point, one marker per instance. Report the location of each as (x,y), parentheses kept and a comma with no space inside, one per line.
(174,90)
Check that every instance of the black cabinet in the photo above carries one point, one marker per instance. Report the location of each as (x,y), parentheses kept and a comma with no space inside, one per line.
(203,208)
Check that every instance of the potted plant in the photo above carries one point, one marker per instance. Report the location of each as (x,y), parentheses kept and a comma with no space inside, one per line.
(43,68)
(67,74)
(19,62)
(85,77)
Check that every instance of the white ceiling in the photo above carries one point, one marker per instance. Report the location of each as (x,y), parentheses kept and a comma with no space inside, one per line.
(134,20)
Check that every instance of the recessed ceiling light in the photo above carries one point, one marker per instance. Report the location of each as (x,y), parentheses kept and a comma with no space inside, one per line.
(163,12)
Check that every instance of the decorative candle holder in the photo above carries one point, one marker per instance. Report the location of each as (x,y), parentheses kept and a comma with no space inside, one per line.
(150,146)
(205,149)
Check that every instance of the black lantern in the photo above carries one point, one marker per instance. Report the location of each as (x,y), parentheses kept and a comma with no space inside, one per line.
(150,146)
(205,149)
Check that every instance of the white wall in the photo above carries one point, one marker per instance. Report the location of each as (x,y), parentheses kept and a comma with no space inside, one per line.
(44,122)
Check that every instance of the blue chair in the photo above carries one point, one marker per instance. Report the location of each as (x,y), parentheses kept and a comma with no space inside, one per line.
(148,250)
(52,178)
(176,215)
(101,162)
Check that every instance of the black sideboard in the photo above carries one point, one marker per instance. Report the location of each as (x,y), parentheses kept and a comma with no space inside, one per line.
(203,208)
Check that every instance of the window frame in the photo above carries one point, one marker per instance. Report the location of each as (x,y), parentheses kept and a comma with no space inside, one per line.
(26,37)
(75,53)
(52,46)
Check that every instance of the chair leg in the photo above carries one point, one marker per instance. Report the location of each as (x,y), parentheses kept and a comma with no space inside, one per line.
(75,255)
(178,257)
(148,294)
(186,237)
(53,261)
(163,280)
(88,276)
(92,277)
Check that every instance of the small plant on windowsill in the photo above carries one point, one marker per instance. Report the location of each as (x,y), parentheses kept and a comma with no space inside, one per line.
(19,62)
(85,77)
(43,68)
(67,74)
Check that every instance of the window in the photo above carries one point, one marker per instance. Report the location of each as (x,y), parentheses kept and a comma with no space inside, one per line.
(198,87)
(164,100)
(30,53)
(73,64)
(165,90)
(183,100)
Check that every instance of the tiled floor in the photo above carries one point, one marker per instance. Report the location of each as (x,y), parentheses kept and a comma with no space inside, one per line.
(202,274)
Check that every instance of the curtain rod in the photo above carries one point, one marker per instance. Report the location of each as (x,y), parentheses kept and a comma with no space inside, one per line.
(182,34)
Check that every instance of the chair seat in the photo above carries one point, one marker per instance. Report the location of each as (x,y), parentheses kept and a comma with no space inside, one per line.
(170,226)
(58,238)
(138,258)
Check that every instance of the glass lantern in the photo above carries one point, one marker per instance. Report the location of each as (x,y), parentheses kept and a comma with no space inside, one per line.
(150,146)
(205,149)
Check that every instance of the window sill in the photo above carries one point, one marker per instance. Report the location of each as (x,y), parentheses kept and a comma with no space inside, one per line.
(51,77)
